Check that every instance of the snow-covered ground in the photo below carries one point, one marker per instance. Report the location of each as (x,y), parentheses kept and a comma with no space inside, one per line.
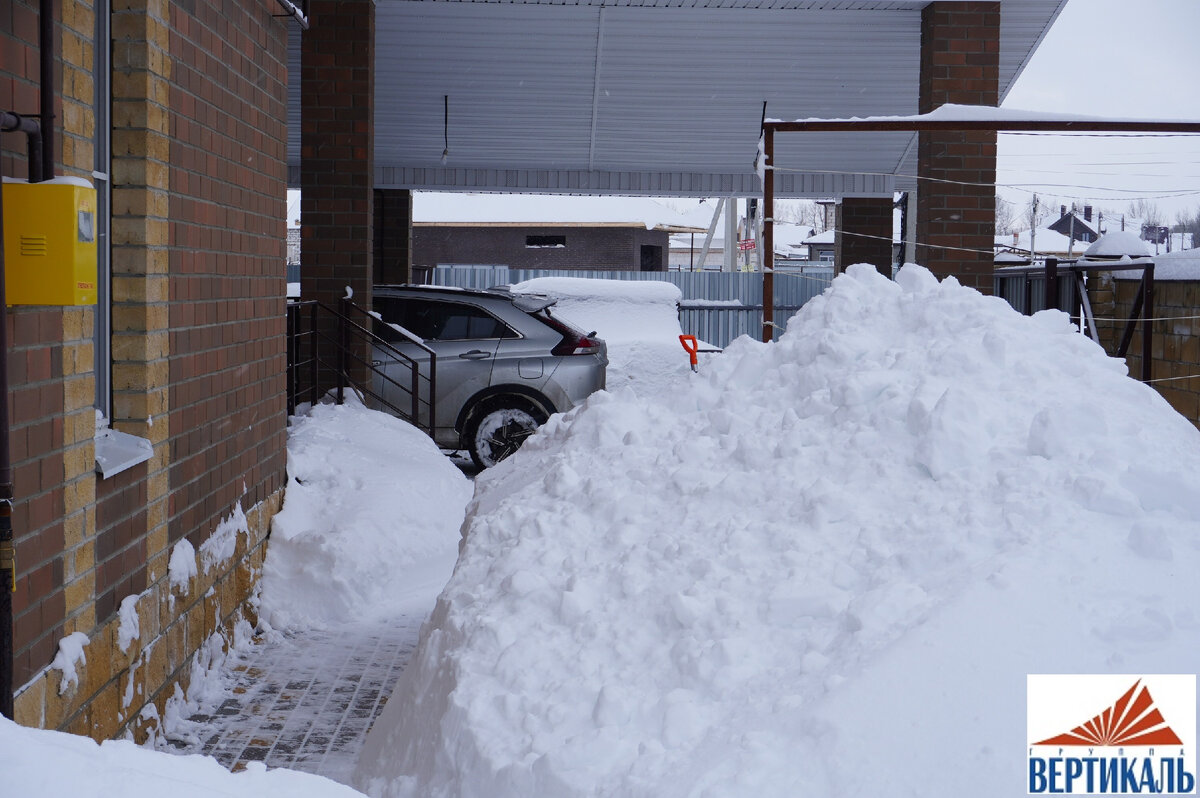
(819,567)
(822,567)
(369,528)
(42,764)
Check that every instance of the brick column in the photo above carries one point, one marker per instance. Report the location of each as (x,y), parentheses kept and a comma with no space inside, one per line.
(960,52)
(864,233)
(140,239)
(79,386)
(393,236)
(337,83)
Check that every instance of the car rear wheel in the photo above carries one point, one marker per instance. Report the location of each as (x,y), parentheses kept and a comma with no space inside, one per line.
(498,431)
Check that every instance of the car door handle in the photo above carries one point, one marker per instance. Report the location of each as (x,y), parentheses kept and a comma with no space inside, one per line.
(475,354)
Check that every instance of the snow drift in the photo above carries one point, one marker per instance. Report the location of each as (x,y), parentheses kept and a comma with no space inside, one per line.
(347,532)
(50,763)
(822,567)
(638,320)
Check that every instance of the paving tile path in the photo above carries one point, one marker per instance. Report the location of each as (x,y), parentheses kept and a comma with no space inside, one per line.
(306,701)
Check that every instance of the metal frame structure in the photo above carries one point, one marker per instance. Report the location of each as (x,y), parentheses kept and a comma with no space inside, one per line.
(1143,303)
(936,121)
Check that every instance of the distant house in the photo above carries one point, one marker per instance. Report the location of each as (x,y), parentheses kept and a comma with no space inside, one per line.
(542,245)
(537,232)
(1046,242)
(790,243)
(1076,227)
(821,246)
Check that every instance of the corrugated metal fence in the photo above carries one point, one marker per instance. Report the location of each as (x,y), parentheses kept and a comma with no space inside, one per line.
(717,306)
(1026,292)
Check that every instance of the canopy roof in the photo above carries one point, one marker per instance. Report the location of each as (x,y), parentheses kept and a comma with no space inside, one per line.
(654,97)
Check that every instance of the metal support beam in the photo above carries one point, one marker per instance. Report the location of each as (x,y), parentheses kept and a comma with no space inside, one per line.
(918,124)
(768,255)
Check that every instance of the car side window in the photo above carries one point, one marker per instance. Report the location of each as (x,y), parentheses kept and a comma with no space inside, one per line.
(393,310)
(437,320)
(451,321)
(466,322)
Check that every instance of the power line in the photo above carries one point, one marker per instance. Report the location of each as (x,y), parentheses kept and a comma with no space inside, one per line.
(1036,187)
(1172,379)
(1099,135)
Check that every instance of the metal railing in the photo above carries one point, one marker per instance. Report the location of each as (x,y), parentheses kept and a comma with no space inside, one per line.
(325,352)
(1063,287)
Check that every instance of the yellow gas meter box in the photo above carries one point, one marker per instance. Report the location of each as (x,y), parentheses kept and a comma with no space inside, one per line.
(50,242)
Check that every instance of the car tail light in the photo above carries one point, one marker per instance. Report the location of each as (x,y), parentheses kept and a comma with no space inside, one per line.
(574,342)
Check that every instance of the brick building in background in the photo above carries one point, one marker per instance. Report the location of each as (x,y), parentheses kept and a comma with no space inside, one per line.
(543,246)
(177,112)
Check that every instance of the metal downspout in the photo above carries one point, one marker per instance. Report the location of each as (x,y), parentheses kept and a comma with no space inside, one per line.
(40,166)
(46,88)
(9,123)
(8,567)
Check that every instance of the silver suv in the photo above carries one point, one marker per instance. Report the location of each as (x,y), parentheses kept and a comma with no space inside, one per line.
(505,364)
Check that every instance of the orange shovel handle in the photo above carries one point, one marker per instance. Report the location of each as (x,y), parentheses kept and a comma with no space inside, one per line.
(691,346)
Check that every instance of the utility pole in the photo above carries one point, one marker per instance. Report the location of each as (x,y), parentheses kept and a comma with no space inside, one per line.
(1071,235)
(731,235)
(1032,226)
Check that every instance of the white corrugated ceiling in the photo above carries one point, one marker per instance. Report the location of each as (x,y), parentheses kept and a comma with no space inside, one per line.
(660,97)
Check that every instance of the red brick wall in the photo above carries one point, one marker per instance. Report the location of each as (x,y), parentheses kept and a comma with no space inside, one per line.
(393,236)
(227,253)
(18,76)
(36,441)
(336,150)
(956,207)
(586,247)
(121,555)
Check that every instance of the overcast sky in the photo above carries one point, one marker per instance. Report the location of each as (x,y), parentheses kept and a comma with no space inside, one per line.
(1118,59)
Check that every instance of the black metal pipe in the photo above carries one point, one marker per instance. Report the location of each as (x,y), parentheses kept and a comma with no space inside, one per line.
(8,564)
(1051,283)
(46,88)
(295,12)
(16,123)
(1148,325)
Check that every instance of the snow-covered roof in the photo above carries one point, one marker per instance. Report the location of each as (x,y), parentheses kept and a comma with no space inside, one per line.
(1122,243)
(1181,266)
(1046,241)
(952,112)
(545,210)
(789,234)
(828,237)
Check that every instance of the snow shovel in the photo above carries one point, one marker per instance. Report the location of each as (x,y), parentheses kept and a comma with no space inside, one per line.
(692,346)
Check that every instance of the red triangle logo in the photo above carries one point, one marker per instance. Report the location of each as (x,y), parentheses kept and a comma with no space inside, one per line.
(1132,720)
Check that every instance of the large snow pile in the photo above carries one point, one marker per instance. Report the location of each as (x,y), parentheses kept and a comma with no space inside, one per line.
(349,530)
(638,320)
(50,763)
(823,568)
